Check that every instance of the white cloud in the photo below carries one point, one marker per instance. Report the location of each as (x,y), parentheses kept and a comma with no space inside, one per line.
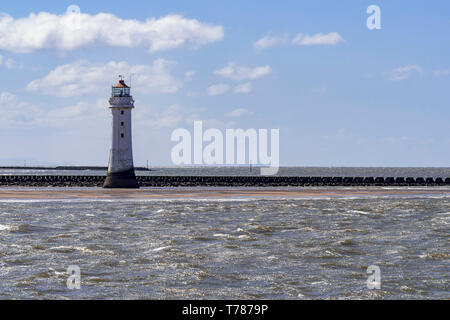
(9,63)
(84,117)
(221,88)
(405,72)
(189,74)
(236,72)
(170,117)
(79,117)
(19,113)
(331,38)
(441,73)
(12,64)
(237,112)
(217,89)
(270,41)
(82,78)
(6,97)
(74,31)
(243,88)
(16,112)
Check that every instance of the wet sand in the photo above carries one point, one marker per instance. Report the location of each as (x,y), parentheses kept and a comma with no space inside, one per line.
(216,193)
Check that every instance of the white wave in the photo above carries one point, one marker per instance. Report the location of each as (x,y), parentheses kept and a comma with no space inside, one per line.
(82,249)
(221,235)
(161,248)
(359,212)
(4,227)
(56,272)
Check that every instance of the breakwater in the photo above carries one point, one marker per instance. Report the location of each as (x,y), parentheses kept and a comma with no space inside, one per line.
(219,181)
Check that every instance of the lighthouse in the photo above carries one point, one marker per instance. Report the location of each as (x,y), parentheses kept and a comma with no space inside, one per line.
(120,168)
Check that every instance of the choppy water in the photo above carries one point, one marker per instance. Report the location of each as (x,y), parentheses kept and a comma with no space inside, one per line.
(241,248)
(247,171)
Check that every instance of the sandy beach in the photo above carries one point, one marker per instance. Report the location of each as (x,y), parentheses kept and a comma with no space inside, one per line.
(225,193)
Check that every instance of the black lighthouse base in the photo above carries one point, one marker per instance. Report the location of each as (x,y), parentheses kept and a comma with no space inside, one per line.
(124,179)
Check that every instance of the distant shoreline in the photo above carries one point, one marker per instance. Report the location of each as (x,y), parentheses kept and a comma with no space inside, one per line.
(65,168)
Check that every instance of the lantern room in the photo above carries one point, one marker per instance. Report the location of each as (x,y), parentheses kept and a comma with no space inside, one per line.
(121,90)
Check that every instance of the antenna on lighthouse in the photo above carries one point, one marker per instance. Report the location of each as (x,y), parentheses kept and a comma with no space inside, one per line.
(131,75)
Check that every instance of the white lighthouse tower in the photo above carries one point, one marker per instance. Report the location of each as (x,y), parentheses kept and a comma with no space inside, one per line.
(121,169)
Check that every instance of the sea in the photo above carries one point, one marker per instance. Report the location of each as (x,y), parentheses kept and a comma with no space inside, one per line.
(255,171)
(352,247)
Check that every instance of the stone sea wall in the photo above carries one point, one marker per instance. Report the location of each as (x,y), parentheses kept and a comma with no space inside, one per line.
(219,181)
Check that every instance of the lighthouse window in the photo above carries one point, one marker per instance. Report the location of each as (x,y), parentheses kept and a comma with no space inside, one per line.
(121,123)
(121,92)
(121,135)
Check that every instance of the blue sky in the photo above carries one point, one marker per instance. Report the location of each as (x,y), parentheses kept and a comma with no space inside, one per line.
(355,97)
